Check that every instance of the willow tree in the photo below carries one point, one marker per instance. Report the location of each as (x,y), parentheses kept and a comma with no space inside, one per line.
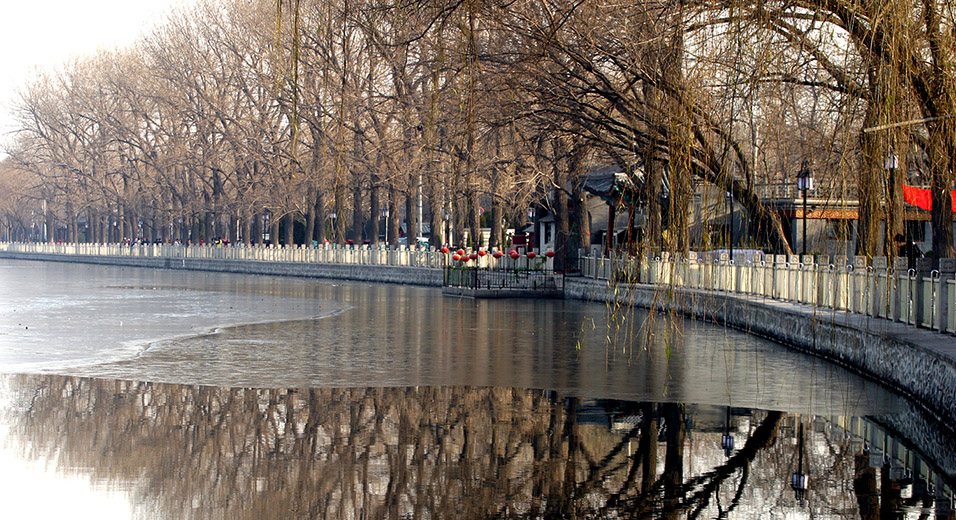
(898,57)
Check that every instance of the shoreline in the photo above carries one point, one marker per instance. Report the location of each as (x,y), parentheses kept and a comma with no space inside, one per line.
(918,363)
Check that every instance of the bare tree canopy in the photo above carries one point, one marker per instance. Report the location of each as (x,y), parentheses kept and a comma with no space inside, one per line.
(301,120)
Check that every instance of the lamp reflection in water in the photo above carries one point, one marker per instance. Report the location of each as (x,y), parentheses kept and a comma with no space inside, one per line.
(727,440)
(799,479)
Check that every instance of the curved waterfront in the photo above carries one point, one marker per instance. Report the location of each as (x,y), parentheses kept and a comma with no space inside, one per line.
(255,331)
(391,360)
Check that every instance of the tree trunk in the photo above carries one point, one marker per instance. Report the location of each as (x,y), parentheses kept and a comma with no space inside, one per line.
(247,227)
(679,140)
(438,238)
(310,219)
(580,221)
(394,216)
(320,217)
(358,217)
(289,221)
(609,238)
(375,201)
(869,182)
(274,233)
(941,184)
(413,202)
(338,233)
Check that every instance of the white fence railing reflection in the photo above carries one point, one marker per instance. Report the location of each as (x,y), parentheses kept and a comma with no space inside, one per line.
(923,296)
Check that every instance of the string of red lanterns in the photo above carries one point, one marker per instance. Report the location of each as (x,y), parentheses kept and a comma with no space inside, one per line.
(462,256)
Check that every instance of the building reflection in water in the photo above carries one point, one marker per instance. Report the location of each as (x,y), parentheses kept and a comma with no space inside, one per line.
(457,452)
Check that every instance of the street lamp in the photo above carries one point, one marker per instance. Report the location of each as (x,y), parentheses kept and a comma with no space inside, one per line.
(892,162)
(333,233)
(385,216)
(534,227)
(730,220)
(448,239)
(805,184)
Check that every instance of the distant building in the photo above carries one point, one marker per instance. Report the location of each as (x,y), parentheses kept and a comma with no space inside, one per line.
(716,221)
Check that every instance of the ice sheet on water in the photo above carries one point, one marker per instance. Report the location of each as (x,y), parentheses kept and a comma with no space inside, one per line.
(51,319)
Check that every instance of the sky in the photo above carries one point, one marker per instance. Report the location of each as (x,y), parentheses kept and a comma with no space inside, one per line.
(44,34)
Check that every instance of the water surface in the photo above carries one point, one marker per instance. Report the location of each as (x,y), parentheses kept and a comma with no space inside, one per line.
(169,394)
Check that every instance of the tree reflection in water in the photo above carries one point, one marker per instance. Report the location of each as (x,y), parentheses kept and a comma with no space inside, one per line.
(436,452)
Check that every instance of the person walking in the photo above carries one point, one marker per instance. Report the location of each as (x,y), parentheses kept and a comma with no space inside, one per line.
(909,249)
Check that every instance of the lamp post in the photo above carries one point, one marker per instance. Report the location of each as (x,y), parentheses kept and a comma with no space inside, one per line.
(730,221)
(805,184)
(385,215)
(332,216)
(534,227)
(447,238)
(891,164)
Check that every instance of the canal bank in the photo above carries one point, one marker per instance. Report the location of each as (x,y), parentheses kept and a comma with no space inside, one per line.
(918,363)
(421,276)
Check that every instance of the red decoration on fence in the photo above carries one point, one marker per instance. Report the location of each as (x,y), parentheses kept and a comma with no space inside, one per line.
(473,256)
(531,254)
(922,197)
(482,252)
(514,255)
(456,257)
(497,254)
(549,254)
(445,250)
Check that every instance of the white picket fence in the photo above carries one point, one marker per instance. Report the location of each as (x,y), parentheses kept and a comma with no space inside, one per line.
(924,297)
(329,253)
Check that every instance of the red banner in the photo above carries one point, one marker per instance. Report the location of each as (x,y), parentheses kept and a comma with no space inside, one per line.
(922,197)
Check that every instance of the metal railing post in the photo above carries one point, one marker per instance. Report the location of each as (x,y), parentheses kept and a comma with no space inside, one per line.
(930,305)
(924,267)
(947,272)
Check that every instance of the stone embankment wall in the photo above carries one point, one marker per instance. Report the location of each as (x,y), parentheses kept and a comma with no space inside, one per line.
(360,273)
(916,362)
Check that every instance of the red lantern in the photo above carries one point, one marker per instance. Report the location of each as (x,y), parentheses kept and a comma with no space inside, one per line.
(445,250)
(497,254)
(473,256)
(514,255)
(461,252)
(482,252)
(455,257)
(531,254)
(549,254)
